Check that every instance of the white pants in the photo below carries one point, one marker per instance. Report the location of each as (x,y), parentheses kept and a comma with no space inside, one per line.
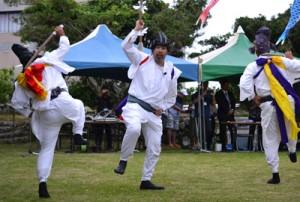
(271,134)
(46,126)
(137,119)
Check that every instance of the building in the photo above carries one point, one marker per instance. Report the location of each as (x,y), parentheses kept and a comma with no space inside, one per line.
(8,28)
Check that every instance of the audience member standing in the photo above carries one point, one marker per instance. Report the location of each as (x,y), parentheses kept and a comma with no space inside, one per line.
(173,118)
(104,105)
(226,108)
(254,116)
(206,100)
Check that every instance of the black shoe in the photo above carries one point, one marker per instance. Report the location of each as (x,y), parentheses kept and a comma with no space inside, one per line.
(293,157)
(149,185)
(43,192)
(275,179)
(121,167)
(78,140)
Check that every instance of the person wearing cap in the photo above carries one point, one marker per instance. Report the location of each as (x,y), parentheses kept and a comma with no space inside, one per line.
(225,112)
(41,94)
(153,89)
(173,118)
(268,82)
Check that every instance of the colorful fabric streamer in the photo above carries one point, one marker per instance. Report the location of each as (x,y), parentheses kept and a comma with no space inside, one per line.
(204,14)
(31,80)
(280,89)
(295,17)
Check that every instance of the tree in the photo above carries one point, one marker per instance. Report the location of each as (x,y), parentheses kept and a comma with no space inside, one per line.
(251,25)
(39,19)
(277,25)
(178,22)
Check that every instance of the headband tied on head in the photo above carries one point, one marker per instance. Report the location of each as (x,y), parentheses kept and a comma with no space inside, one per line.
(262,42)
(160,39)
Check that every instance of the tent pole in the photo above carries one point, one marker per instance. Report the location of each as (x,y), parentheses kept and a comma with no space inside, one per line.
(201,121)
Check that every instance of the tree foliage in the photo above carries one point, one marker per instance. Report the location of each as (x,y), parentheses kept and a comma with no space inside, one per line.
(277,25)
(250,25)
(6,84)
(178,22)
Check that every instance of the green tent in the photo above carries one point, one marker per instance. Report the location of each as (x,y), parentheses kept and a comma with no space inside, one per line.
(228,61)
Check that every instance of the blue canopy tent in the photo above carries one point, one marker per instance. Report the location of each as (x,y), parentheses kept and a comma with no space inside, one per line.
(100,55)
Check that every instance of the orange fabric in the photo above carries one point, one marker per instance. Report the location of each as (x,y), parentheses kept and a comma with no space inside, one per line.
(33,76)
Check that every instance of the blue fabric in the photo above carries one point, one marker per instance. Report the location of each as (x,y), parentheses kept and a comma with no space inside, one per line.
(289,90)
(294,18)
(100,54)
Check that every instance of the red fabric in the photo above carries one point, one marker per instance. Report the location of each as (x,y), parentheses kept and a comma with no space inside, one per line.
(145,60)
(32,73)
(204,14)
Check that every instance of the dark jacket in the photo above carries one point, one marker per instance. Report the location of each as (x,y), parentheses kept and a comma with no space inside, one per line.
(224,105)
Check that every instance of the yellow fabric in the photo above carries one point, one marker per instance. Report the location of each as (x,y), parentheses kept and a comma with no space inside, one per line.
(281,96)
(22,81)
(21,78)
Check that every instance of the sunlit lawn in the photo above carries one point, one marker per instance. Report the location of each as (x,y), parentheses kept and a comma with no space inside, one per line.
(187,175)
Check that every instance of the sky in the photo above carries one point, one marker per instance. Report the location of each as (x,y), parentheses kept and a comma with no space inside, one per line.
(224,13)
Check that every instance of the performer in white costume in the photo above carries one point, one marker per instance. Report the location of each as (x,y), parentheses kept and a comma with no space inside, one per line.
(153,89)
(268,82)
(51,108)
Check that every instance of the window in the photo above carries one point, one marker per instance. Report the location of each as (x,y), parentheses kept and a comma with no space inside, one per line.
(8,22)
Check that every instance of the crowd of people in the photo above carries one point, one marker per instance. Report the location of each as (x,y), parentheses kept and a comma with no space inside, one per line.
(41,93)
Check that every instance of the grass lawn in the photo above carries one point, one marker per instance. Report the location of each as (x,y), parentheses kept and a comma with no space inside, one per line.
(187,175)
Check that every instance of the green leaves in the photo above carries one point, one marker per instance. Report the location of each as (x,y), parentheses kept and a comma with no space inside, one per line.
(178,23)
(6,84)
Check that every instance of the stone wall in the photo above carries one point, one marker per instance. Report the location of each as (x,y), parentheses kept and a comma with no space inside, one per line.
(13,127)
(14,132)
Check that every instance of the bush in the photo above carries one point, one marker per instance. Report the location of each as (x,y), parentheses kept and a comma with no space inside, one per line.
(6,84)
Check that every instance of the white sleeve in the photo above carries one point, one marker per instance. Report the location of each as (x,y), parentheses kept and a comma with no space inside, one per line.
(63,48)
(133,54)
(293,67)
(20,101)
(247,83)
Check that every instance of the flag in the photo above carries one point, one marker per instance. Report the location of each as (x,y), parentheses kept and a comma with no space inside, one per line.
(204,14)
(295,16)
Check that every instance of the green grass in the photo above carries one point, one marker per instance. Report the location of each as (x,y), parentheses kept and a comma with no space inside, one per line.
(187,176)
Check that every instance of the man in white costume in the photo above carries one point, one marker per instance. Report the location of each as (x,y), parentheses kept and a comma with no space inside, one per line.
(153,89)
(55,108)
(268,82)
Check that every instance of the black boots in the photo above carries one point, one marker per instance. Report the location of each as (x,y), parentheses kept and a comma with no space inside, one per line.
(43,192)
(78,140)
(121,167)
(275,179)
(293,157)
(146,185)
